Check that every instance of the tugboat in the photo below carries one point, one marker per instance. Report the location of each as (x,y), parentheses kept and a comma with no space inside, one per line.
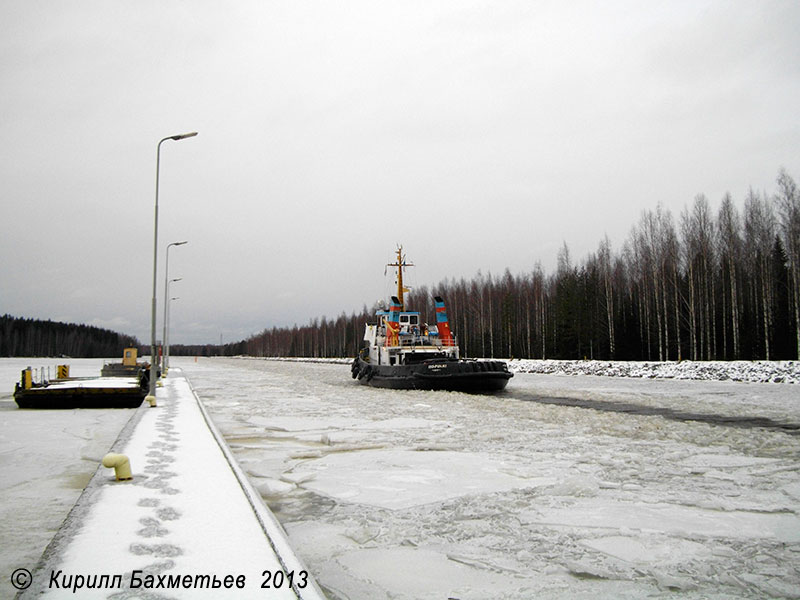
(402,353)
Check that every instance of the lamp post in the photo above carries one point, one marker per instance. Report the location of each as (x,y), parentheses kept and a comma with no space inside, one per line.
(165,337)
(151,398)
(166,295)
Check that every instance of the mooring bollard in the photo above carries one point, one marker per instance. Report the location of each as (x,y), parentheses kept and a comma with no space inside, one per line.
(120,464)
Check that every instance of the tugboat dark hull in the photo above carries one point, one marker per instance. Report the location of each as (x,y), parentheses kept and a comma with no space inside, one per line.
(435,374)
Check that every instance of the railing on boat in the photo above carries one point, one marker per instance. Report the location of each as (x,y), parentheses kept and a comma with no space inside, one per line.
(413,341)
(416,340)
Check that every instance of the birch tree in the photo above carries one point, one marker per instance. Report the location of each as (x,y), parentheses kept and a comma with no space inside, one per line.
(604,262)
(729,239)
(788,204)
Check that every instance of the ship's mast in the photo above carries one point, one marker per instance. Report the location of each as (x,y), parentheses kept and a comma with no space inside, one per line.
(400,264)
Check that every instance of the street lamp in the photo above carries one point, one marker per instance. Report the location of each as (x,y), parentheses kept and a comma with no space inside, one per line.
(165,337)
(166,295)
(151,398)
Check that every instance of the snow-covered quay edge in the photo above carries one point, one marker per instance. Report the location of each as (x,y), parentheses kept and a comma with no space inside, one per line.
(757,371)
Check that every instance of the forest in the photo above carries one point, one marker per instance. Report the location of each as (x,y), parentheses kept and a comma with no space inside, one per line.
(32,337)
(713,283)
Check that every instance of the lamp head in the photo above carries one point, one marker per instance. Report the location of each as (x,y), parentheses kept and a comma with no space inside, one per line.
(182,136)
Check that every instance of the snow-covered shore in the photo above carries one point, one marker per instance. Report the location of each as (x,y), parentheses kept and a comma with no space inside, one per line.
(739,370)
(751,371)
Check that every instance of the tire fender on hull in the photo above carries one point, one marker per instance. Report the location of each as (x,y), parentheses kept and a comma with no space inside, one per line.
(363,370)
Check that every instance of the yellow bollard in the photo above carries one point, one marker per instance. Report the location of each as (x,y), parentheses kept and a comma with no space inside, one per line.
(120,464)
(27,379)
(151,400)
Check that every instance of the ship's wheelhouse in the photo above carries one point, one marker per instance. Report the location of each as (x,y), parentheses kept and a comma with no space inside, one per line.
(414,341)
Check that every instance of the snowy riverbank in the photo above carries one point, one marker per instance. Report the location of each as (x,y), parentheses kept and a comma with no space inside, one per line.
(739,370)
(751,371)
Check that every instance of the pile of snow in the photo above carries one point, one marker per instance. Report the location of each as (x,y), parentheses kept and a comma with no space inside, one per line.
(755,371)
(739,370)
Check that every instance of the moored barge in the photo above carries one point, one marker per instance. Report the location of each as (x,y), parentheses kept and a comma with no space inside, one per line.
(80,392)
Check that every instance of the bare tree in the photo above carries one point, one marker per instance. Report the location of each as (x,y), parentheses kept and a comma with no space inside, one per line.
(696,233)
(646,247)
(729,239)
(670,257)
(604,261)
(539,282)
(788,204)
(759,236)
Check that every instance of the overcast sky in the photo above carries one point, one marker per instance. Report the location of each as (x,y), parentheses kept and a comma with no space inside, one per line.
(480,135)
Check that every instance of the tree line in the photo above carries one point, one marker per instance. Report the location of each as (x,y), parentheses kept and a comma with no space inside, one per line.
(712,284)
(33,337)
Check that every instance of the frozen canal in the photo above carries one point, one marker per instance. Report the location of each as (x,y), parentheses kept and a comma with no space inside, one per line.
(556,488)
(560,487)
